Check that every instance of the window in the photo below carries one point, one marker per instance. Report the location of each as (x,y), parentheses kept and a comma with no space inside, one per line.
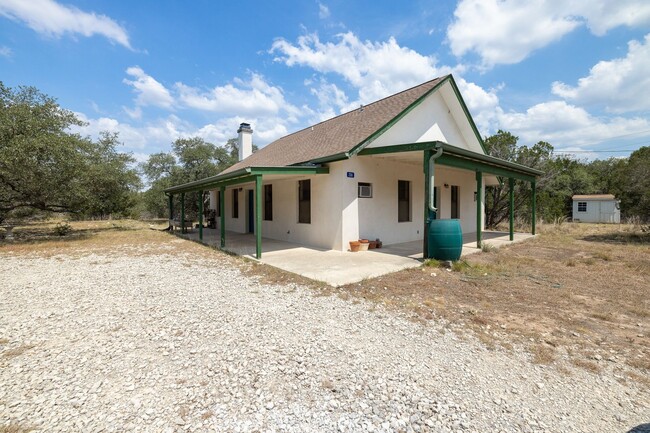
(304,201)
(218,203)
(455,202)
(268,202)
(403,201)
(365,190)
(582,206)
(235,203)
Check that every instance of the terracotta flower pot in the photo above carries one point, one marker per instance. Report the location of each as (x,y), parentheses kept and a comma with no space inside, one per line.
(354,246)
(372,245)
(364,244)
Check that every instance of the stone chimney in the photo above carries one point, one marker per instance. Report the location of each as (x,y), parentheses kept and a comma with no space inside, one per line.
(245,140)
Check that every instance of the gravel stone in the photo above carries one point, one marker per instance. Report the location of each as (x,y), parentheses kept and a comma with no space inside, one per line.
(171,343)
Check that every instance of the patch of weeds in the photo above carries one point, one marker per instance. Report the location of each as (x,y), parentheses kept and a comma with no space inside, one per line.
(15,428)
(12,353)
(638,378)
(608,317)
(62,229)
(328,384)
(587,365)
(602,256)
(432,263)
(543,354)
(640,362)
(589,261)
(570,263)
(487,248)
(459,266)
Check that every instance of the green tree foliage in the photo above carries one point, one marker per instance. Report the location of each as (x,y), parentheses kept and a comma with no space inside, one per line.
(45,168)
(504,145)
(633,180)
(628,179)
(190,159)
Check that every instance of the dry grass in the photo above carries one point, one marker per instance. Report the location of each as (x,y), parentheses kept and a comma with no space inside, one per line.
(17,351)
(15,428)
(576,288)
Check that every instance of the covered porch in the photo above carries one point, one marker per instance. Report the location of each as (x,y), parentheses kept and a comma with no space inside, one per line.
(338,267)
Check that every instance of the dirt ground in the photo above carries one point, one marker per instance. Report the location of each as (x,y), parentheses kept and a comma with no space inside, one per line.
(577,293)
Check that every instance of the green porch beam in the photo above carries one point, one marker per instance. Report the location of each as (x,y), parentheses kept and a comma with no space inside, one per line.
(222,222)
(291,169)
(258,217)
(182,212)
(171,210)
(534,205)
(201,215)
(511,207)
(461,158)
(427,211)
(479,210)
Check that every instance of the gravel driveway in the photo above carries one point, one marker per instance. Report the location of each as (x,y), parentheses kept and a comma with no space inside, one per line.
(164,343)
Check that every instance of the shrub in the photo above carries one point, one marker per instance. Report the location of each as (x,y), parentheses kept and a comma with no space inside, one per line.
(62,229)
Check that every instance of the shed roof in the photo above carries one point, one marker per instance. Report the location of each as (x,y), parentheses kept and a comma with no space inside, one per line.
(337,135)
(594,197)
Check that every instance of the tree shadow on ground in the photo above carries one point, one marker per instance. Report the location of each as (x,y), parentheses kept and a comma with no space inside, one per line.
(35,234)
(638,237)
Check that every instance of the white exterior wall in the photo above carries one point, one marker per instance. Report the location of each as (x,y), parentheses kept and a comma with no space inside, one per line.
(598,211)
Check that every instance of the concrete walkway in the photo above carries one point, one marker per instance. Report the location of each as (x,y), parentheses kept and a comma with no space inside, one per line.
(340,267)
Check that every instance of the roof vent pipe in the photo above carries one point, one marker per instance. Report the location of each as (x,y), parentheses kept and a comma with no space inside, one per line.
(245,140)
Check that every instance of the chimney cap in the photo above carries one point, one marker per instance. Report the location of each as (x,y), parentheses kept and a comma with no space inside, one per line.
(246,127)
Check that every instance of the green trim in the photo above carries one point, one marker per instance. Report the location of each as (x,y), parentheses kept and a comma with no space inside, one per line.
(427,213)
(242,176)
(534,205)
(258,217)
(182,212)
(479,210)
(222,208)
(467,114)
(511,206)
(359,147)
(461,158)
(201,215)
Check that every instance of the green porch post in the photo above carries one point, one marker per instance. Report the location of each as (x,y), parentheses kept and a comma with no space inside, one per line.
(511,184)
(258,217)
(171,210)
(182,212)
(427,192)
(534,204)
(222,207)
(479,210)
(201,215)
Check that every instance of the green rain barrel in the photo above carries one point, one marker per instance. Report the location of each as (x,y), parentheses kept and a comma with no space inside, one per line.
(445,239)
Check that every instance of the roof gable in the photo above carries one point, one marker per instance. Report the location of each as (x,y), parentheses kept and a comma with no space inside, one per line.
(338,135)
(440,116)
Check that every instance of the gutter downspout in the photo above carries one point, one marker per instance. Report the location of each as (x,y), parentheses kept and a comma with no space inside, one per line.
(429,194)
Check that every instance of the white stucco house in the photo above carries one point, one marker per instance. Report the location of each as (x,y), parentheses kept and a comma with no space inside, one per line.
(362,174)
(596,208)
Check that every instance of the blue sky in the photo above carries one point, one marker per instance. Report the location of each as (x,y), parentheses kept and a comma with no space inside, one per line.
(573,75)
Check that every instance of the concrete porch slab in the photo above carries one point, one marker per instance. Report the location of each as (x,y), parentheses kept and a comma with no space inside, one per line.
(340,267)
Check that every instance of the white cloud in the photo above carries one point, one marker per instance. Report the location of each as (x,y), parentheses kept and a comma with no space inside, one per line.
(150,91)
(255,97)
(53,19)
(617,84)
(6,51)
(323,11)
(565,125)
(376,69)
(507,31)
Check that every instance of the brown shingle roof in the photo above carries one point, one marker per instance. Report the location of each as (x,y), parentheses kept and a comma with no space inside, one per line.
(337,135)
(594,197)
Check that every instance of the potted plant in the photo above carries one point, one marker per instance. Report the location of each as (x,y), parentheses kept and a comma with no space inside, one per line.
(354,246)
